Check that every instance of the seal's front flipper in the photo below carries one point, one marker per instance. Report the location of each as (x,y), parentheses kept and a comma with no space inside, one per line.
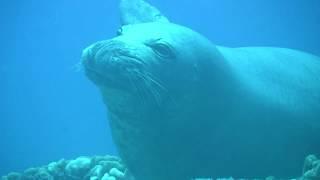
(139,11)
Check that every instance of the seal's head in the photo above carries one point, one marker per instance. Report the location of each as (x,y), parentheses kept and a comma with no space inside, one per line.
(146,56)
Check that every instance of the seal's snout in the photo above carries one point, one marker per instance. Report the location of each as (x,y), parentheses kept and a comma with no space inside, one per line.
(110,60)
(101,53)
(110,55)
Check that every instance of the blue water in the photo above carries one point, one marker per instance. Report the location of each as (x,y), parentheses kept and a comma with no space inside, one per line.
(49,110)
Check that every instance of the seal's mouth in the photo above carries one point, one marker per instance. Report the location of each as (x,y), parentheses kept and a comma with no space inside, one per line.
(101,79)
(118,67)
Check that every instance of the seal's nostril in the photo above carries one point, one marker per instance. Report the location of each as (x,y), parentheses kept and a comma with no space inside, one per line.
(113,60)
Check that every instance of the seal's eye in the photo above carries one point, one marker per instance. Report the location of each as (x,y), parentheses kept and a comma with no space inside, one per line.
(162,50)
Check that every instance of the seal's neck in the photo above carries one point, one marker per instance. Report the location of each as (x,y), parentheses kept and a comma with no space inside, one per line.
(221,88)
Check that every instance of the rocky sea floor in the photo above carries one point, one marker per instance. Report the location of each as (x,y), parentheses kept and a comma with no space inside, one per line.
(112,168)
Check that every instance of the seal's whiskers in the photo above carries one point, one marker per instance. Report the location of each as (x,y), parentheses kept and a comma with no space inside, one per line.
(153,79)
(153,91)
(78,67)
(137,89)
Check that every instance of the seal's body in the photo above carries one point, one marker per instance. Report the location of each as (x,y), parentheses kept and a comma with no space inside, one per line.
(181,107)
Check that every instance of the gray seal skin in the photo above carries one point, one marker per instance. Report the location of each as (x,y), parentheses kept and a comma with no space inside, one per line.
(181,107)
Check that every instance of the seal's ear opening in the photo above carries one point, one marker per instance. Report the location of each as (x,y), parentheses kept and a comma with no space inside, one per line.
(139,11)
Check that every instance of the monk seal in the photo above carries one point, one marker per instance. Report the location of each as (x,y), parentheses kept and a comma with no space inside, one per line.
(182,107)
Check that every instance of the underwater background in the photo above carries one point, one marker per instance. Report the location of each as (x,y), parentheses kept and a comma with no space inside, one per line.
(48,108)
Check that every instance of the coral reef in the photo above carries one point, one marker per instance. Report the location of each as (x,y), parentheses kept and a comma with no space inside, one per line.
(311,168)
(82,168)
(111,168)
